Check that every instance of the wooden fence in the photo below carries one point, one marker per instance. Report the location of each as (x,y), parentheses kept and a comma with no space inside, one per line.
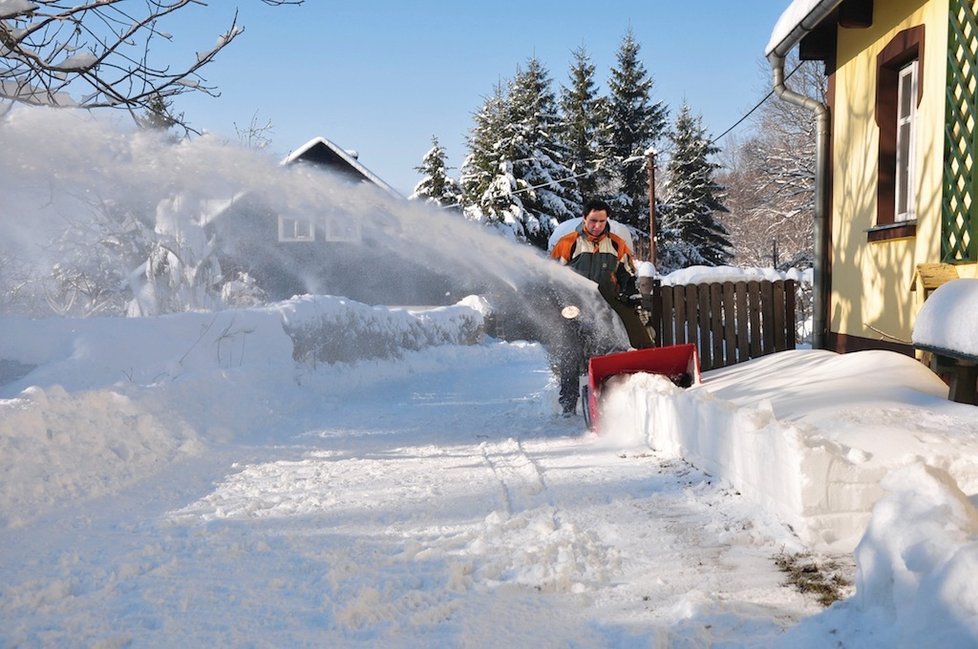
(730,322)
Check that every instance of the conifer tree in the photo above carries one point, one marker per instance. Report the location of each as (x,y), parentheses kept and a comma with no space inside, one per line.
(515,172)
(634,124)
(689,233)
(481,165)
(435,185)
(548,190)
(583,114)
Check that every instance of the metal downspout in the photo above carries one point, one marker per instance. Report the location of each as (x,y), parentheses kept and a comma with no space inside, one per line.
(820,271)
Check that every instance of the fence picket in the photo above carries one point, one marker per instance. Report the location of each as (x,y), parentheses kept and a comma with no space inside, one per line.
(754,318)
(777,306)
(729,325)
(791,331)
(689,297)
(743,336)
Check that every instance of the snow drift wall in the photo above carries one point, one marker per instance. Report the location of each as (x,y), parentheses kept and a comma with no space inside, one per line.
(805,433)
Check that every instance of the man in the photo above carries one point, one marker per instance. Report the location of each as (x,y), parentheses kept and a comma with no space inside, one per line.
(594,251)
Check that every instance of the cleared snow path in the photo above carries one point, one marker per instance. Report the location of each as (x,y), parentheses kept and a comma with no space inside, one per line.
(449,508)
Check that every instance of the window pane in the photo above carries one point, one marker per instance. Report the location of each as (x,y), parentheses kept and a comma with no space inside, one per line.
(906,94)
(303,230)
(906,117)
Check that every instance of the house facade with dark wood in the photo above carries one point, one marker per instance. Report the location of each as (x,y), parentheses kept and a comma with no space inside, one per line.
(897,186)
(327,248)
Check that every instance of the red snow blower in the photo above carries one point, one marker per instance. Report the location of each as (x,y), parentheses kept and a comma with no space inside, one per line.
(679,363)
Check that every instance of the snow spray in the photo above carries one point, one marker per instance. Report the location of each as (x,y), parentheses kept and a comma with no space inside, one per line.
(64,168)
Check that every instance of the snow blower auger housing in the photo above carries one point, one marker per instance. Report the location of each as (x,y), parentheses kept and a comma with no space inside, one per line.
(679,363)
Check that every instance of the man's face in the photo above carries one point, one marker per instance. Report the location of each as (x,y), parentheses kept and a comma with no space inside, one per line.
(595,222)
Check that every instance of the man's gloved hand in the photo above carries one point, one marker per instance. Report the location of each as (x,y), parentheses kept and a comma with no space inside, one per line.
(628,289)
(635,299)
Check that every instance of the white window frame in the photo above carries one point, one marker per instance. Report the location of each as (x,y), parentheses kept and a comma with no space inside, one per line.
(903,205)
(296,229)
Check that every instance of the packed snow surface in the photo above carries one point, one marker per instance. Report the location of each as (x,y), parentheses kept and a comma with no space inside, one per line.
(185,480)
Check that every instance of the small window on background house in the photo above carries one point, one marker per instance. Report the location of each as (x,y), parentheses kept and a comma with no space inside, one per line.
(906,119)
(341,228)
(293,229)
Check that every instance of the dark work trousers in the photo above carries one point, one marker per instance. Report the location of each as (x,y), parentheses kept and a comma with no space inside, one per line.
(638,335)
(568,360)
(571,342)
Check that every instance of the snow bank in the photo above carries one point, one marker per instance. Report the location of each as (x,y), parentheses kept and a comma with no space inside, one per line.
(916,567)
(88,406)
(93,353)
(56,447)
(335,329)
(809,434)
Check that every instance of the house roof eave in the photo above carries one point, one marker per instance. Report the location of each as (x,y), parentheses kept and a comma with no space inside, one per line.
(346,157)
(799,19)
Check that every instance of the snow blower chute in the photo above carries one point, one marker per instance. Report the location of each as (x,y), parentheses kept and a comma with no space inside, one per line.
(679,363)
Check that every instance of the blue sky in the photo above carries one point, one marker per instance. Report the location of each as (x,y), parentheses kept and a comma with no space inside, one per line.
(383,76)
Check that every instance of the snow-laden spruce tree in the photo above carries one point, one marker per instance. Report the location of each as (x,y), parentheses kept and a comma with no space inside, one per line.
(436,186)
(514,173)
(583,126)
(635,123)
(548,189)
(481,164)
(689,233)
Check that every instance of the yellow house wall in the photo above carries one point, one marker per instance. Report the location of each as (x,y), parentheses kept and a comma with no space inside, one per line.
(871,282)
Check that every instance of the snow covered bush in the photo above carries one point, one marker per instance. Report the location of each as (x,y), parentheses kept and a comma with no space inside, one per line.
(327,329)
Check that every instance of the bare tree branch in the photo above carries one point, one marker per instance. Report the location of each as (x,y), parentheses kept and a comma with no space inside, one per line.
(96,53)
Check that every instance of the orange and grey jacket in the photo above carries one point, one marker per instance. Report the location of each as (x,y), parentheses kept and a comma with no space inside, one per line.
(603,258)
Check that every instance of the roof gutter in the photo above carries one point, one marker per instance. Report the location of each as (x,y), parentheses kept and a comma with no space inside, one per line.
(776,56)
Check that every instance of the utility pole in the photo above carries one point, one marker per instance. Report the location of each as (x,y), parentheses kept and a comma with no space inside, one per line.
(650,167)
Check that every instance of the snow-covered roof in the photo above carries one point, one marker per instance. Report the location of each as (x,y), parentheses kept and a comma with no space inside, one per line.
(343,156)
(801,17)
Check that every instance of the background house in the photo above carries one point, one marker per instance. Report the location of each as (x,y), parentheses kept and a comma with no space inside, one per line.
(898,186)
(332,248)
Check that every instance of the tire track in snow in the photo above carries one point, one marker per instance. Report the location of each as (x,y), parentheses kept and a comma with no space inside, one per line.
(520,479)
(533,542)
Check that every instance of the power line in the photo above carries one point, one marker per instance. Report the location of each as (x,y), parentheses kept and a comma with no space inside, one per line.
(756,106)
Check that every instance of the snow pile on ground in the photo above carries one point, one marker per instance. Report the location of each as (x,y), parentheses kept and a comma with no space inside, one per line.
(88,406)
(397,514)
(855,452)
(808,433)
(916,566)
(57,447)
